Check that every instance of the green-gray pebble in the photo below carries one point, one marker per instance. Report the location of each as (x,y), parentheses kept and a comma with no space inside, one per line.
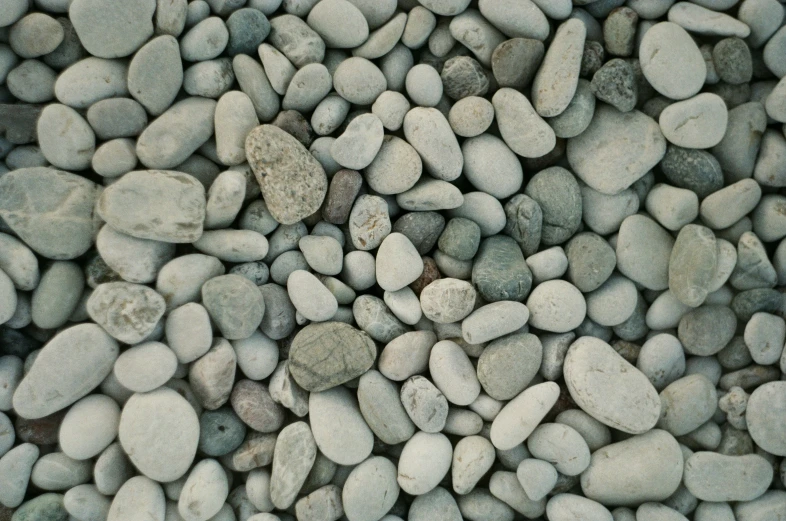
(500,271)
(557,193)
(591,260)
(615,84)
(460,239)
(220,432)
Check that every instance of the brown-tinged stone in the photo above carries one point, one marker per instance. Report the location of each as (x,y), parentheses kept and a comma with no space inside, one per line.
(292,122)
(252,403)
(429,275)
(42,431)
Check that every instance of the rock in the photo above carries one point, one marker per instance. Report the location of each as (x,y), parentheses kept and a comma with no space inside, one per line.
(692,264)
(509,364)
(310,297)
(561,215)
(715,477)
(472,458)
(516,19)
(117,118)
(91,80)
(110,30)
(516,421)
(463,77)
(506,175)
(326,19)
(429,132)
(19,263)
(235,303)
(57,295)
(453,373)
(338,426)
(591,368)
(563,507)
(65,138)
(138,490)
(499,271)
(369,222)
(89,427)
(382,410)
(15,468)
(671,44)
(85,501)
(293,458)
(556,80)
(293,184)
(764,409)
(145,367)
(698,122)
(212,375)
(615,84)
(520,125)
(371,490)
(686,404)
(430,194)
(167,454)
(128,312)
(46,506)
(407,355)
(180,280)
(556,306)
(398,263)
(204,492)
(706,21)
(296,40)
(447,300)
(424,461)
(220,431)
(136,260)
(493,321)
(146,191)
(359,81)
(562,446)
(426,406)
(247,28)
(253,404)
(395,169)
(515,61)
(317,363)
(35,35)
(591,153)
(357,147)
(88,353)
(323,503)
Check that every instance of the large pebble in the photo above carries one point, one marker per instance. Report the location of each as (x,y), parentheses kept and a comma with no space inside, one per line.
(556,306)
(71,365)
(692,264)
(168,453)
(235,303)
(137,491)
(556,80)
(357,147)
(698,122)
(429,132)
(177,133)
(155,74)
(136,260)
(491,166)
(89,427)
(339,22)
(204,491)
(663,46)
(523,130)
(398,263)
(453,373)
(424,461)
(145,367)
(609,388)
(310,297)
(65,138)
(293,458)
(339,429)
(112,30)
(516,421)
(764,412)
(293,182)
(15,469)
(447,300)
(370,490)
(716,477)
(150,193)
(128,312)
(686,404)
(616,150)
(325,355)
(566,507)
(382,410)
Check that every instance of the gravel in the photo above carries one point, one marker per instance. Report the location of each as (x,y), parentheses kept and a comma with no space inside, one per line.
(312,260)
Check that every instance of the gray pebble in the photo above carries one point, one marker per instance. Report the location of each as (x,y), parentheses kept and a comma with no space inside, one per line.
(35,35)
(209,79)
(462,77)
(72,149)
(296,40)
(429,132)
(555,83)
(671,44)
(736,153)
(500,272)
(358,145)
(491,166)
(714,477)
(447,300)
(590,261)
(577,116)
(521,126)
(235,304)
(136,260)
(110,30)
(359,81)
(32,82)
(116,118)
(557,193)
(253,80)
(615,84)
(707,329)
(180,280)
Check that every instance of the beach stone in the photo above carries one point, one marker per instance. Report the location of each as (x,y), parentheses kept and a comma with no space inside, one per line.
(672,44)
(128,312)
(327,17)
(578,115)
(562,446)
(472,30)
(519,417)
(137,491)
(235,304)
(205,41)
(424,461)
(369,222)
(462,77)
(556,306)
(317,364)
(204,491)
(636,410)
(686,404)
(177,133)
(613,302)
(180,280)
(209,78)
(524,222)
(57,295)
(390,107)
(698,122)
(406,355)
(359,81)
(296,40)
(515,61)
(738,149)
(384,39)
(167,455)
(110,30)
(65,138)
(563,507)
(430,194)
(32,82)
(471,116)
(153,219)
(15,469)
(46,506)
(247,28)
(706,330)
(382,410)
(764,410)
(592,152)
(212,375)
(615,84)
(522,129)
(715,477)
(536,477)
(493,321)
(19,263)
(344,187)
(41,393)
(508,365)
(453,373)
(480,502)
(395,168)
(253,404)
(424,85)
(220,432)
(473,456)
(692,264)
(234,119)
(15,11)
(701,20)
(253,80)
(376,319)
(424,403)
(447,300)
(728,205)
(506,174)
(293,182)
(429,133)
(323,254)
(555,83)
(308,87)
(516,19)
(398,262)
(357,147)
(339,429)
(561,215)
(323,503)
(117,118)
(89,427)
(136,260)
(35,35)
(91,80)
(86,502)
(499,271)
(590,260)
(145,367)
(310,297)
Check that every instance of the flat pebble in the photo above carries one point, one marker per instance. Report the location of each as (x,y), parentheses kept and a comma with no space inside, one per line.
(556,306)
(429,132)
(762,415)
(563,507)
(338,426)
(521,127)
(370,490)
(357,147)
(671,44)
(145,367)
(698,122)
(715,477)
(556,80)
(89,427)
(516,421)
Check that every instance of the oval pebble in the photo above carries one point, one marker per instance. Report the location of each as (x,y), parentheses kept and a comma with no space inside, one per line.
(339,429)
(424,461)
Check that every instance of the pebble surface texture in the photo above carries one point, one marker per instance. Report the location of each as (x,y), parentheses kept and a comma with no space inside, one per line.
(392,260)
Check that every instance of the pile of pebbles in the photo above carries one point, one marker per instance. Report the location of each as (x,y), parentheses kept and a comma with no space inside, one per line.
(365,260)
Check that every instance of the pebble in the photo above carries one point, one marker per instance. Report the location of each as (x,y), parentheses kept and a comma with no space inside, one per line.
(32,82)
(35,35)
(487,151)
(556,306)
(521,127)
(359,81)
(672,44)
(46,388)
(180,280)
(72,149)
(369,222)
(615,84)
(384,39)
(146,83)
(297,170)
(424,461)
(395,168)
(220,432)
(447,300)
(701,20)
(307,88)
(293,458)
(117,118)
(463,77)
(110,30)
(235,304)
(89,427)
(167,455)
(516,19)
(357,147)
(57,294)
(590,366)
(686,404)
(338,426)
(137,491)
(15,469)
(519,417)
(323,254)
(563,507)
(555,83)
(763,412)
(738,149)
(560,445)
(698,122)
(390,107)
(715,477)
(429,132)
(592,153)
(613,302)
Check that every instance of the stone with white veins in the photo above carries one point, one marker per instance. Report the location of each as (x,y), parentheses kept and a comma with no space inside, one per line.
(429,132)
(357,147)
(609,388)
(72,364)
(447,300)
(129,312)
(616,150)
(558,76)
(671,61)
(167,454)
(522,128)
(292,181)
(398,262)
(698,122)
(516,421)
